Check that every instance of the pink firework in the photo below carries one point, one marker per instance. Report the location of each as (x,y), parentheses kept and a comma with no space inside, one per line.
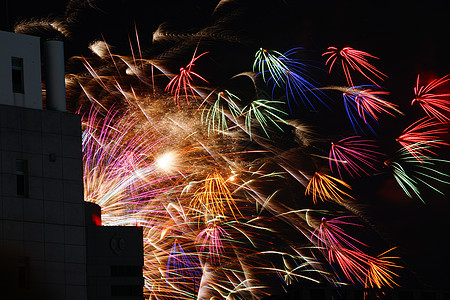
(211,238)
(435,104)
(355,155)
(426,131)
(354,264)
(330,235)
(355,60)
(183,81)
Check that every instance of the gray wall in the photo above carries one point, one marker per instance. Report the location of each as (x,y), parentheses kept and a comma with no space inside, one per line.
(28,48)
(46,227)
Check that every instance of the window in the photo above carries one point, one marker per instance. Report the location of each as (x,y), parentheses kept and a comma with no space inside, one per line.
(17,74)
(22,177)
(24,273)
(126,271)
(126,290)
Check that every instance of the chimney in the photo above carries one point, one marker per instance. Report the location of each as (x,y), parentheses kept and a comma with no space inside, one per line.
(53,54)
(92,214)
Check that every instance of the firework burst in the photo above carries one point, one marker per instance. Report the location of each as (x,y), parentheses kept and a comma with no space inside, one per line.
(425,131)
(435,104)
(354,155)
(183,81)
(215,184)
(324,187)
(410,172)
(365,103)
(351,59)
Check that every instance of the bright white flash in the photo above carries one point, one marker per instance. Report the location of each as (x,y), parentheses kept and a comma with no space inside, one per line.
(166,161)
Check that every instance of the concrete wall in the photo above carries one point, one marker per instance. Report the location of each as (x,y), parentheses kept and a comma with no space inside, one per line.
(28,48)
(46,227)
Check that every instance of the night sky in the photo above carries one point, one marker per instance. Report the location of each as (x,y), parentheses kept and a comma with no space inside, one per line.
(408,39)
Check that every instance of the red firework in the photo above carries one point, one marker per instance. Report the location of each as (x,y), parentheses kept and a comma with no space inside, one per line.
(355,60)
(183,81)
(426,131)
(434,104)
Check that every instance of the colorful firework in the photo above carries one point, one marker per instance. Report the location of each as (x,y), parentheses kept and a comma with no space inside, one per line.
(425,131)
(325,187)
(271,61)
(212,238)
(354,155)
(214,199)
(329,234)
(183,81)
(264,113)
(298,82)
(380,272)
(290,74)
(436,105)
(351,59)
(216,188)
(183,269)
(224,110)
(410,172)
(366,103)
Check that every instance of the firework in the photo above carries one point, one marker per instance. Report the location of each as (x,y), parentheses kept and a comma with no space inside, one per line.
(354,155)
(324,187)
(214,198)
(380,272)
(366,103)
(288,73)
(183,268)
(214,184)
(436,105)
(211,238)
(340,248)
(351,59)
(425,131)
(271,61)
(183,81)
(410,172)
(329,234)
(265,113)
(224,110)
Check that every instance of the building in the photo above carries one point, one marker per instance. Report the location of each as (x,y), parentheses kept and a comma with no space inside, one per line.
(49,246)
(114,259)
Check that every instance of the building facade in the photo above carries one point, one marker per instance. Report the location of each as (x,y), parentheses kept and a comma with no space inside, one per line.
(47,248)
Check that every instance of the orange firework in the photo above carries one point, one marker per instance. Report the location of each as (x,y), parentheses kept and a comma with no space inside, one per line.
(325,187)
(380,273)
(213,197)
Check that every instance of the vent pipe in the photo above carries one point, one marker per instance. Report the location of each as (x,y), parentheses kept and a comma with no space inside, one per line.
(92,214)
(53,54)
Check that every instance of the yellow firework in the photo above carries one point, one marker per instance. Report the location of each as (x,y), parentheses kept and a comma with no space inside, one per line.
(214,198)
(325,187)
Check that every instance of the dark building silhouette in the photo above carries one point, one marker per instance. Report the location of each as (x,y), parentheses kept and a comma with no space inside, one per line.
(52,244)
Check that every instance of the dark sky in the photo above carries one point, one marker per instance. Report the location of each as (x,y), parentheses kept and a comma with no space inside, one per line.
(409,39)
(16,10)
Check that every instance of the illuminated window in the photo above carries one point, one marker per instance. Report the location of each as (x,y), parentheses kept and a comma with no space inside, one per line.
(17,74)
